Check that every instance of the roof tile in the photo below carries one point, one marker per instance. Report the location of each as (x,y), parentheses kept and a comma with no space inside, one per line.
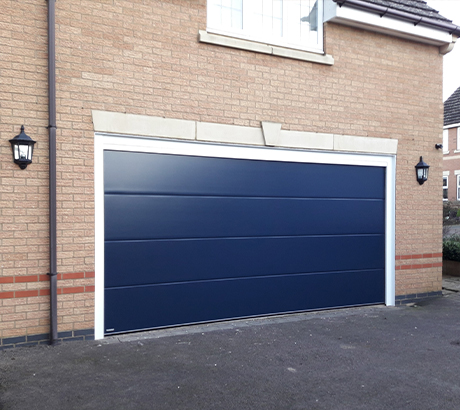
(415,7)
(452,108)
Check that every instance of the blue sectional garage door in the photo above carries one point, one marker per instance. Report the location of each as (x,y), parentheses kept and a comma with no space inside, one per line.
(192,239)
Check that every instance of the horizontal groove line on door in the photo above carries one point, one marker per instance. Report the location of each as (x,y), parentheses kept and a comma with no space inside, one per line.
(246,237)
(165,195)
(247,278)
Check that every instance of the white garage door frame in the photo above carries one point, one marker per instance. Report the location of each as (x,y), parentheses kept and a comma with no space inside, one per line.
(150,144)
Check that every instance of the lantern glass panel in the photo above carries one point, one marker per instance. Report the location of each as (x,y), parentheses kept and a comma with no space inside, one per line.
(24,152)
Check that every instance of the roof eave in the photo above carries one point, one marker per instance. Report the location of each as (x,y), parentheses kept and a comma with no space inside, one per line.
(338,11)
(398,14)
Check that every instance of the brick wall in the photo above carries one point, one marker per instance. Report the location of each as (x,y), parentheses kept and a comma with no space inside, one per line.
(143,57)
(23,194)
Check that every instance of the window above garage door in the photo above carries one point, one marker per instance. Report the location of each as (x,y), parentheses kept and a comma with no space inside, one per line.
(288,23)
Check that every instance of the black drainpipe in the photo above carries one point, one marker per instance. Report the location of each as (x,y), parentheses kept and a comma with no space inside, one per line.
(52,168)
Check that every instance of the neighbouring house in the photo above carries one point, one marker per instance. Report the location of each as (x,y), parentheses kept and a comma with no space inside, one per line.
(207,160)
(451,148)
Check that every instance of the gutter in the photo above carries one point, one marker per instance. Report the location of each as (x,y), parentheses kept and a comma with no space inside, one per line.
(52,168)
(402,15)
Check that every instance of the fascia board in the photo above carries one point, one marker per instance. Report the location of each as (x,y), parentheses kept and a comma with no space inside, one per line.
(370,21)
(446,127)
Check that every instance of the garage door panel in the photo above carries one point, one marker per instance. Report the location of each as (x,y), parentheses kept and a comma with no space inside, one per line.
(165,305)
(148,173)
(156,217)
(194,239)
(148,262)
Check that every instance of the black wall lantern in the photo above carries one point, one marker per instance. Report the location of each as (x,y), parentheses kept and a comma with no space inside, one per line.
(421,170)
(23,147)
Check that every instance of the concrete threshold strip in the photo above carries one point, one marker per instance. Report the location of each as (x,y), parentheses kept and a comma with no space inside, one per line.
(236,324)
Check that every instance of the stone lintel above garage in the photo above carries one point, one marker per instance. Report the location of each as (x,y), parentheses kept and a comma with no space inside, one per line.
(269,134)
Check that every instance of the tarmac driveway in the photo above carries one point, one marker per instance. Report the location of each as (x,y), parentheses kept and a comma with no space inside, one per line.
(361,358)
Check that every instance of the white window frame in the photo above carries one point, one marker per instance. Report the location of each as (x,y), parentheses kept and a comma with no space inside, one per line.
(458,138)
(213,27)
(458,187)
(445,141)
(446,187)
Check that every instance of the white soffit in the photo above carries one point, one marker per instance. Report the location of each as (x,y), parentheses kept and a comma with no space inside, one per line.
(371,21)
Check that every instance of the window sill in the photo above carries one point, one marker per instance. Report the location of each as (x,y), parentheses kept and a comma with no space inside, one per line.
(217,39)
